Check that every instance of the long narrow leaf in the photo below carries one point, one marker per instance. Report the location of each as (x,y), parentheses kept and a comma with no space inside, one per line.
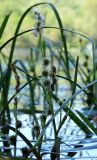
(75,80)
(4,23)
(87,122)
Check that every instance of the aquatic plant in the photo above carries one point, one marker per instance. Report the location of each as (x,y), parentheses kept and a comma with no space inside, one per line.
(43,82)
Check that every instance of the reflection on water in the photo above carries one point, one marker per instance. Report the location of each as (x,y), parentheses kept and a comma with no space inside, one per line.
(72,140)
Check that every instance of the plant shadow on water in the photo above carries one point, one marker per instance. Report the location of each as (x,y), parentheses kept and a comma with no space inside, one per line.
(48,102)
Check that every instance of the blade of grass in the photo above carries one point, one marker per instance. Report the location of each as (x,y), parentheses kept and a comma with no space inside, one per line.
(75,80)
(49,100)
(87,122)
(4,23)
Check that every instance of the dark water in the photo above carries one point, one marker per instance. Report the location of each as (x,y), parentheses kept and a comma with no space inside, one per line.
(71,136)
(73,140)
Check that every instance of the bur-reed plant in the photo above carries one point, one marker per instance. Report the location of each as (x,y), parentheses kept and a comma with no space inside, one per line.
(47,82)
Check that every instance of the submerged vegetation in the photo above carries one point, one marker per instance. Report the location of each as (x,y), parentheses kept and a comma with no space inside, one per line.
(32,87)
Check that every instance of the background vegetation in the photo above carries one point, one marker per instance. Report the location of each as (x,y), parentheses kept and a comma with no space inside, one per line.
(79,15)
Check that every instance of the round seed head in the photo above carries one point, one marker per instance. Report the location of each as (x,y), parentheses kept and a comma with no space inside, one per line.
(19,124)
(49,112)
(85,64)
(46,62)
(36,128)
(53,70)
(25,151)
(87,57)
(43,117)
(46,83)
(13,140)
(5,129)
(45,73)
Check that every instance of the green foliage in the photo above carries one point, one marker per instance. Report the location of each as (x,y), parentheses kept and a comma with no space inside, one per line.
(46,58)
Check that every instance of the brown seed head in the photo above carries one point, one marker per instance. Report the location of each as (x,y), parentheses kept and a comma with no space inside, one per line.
(19,124)
(25,151)
(45,73)
(53,70)
(46,83)
(43,117)
(49,112)
(13,140)
(46,62)
(36,128)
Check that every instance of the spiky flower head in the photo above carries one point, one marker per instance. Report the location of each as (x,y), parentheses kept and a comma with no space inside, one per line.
(39,22)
